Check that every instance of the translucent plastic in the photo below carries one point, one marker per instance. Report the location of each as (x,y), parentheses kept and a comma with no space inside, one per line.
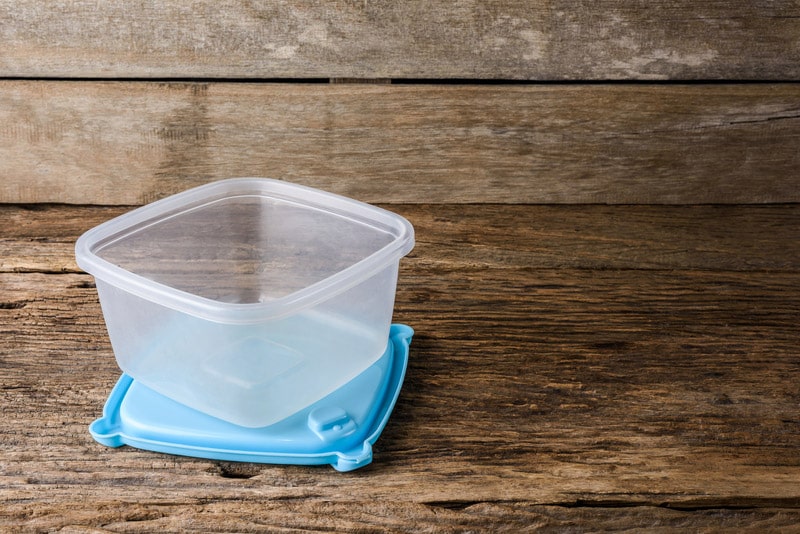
(247,299)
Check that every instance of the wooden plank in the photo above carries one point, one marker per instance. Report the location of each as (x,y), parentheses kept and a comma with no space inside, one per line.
(310,514)
(41,238)
(509,39)
(129,143)
(564,394)
(547,387)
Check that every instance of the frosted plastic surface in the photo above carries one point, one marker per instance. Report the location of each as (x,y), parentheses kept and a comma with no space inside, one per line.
(245,249)
(247,299)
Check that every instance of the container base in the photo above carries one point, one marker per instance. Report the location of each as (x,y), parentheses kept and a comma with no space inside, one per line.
(339,430)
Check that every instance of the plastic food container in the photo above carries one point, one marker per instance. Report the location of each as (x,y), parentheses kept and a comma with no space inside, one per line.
(247,299)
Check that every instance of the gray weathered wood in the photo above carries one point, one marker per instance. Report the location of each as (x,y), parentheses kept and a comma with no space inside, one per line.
(511,39)
(129,143)
(580,387)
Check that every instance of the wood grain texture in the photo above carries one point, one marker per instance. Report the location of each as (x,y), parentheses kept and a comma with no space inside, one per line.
(509,39)
(129,143)
(41,238)
(560,388)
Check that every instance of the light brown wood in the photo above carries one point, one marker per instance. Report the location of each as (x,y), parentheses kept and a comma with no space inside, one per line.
(268,515)
(643,375)
(510,39)
(310,514)
(129,143)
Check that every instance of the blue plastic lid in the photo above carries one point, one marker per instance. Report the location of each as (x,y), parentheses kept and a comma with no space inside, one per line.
(338,430)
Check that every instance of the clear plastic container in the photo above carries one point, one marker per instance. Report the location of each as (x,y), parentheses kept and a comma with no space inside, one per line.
(247,299)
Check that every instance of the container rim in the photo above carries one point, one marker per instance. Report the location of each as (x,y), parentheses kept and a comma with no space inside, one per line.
(242,313)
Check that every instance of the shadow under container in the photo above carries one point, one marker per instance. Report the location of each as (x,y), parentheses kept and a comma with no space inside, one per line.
(247,299)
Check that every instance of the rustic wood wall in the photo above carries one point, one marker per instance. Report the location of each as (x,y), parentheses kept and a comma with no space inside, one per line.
(576,367)
(120,103)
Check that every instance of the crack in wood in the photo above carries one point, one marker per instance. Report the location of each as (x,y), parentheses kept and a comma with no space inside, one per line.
(765,119)
(456,505)
(684,506)
(690,506)
(461,505)
(723,124)
(237,471)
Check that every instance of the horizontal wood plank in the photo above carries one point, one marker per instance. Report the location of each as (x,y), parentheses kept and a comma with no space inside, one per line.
(597,402)
(546,387)
(41,238)
(129,143)
(309,514)
(508,39)
(569,393)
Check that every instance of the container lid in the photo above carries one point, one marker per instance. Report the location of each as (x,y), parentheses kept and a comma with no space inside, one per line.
(244,250)
(338,430)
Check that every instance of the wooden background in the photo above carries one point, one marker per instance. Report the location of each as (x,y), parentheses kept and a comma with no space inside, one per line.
(604,288)
(120,103)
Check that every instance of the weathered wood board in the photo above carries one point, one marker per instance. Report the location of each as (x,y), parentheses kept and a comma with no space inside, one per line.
(129,143)
(574,367)
(505,39)
(577,366)
(41,238)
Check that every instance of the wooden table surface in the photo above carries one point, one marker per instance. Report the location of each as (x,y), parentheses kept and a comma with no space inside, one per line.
(574,368)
